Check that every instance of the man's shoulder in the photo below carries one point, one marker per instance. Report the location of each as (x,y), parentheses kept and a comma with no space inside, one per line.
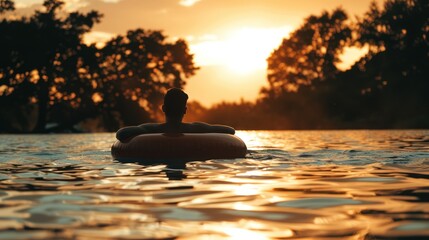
(199,124)
(202,126)
(150,124)
(213,128)
(153,127)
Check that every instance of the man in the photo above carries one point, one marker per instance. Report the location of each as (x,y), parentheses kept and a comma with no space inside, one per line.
(174,109)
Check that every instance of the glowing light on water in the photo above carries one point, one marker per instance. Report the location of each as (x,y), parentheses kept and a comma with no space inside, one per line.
(246,189)
(319,185)
(239,233)
(242,206)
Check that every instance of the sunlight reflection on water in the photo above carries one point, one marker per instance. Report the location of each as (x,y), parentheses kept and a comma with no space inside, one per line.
(292,184)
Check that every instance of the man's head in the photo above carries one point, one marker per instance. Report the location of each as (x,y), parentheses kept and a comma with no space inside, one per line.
(175,103)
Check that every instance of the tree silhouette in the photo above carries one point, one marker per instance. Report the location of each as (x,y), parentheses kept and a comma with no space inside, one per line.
(49,74)
(310,53)
(48,68)
(401,24)
(137,69)
(6,5)
(387,88)
(395,71)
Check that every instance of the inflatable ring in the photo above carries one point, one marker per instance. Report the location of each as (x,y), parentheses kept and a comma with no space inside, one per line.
(161,147)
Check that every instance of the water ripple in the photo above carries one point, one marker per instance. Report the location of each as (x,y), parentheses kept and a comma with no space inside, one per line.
(292,184)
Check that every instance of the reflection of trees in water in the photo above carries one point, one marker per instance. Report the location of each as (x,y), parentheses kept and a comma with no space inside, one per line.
(49,75)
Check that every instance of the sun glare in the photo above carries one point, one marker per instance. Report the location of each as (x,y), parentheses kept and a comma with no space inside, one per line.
(242,51)
(350,56)
(97,37)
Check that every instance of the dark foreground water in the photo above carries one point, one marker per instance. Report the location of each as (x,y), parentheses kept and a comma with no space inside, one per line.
(292,184)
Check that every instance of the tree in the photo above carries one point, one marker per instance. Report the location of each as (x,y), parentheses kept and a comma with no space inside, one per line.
(395,71)
(6,5)
(401,24)
(139,68)
(310,53)
(52,67)
(60,79)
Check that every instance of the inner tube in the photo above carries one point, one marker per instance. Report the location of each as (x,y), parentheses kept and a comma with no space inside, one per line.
(162,147)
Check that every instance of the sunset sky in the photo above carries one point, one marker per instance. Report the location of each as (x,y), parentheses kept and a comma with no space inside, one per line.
(231,39)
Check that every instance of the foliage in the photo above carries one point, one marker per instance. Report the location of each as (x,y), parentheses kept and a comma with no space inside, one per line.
(241,115)
(51,68)
(310,53)
(6,5)
(56,78)
(387,88)
(140,67)
(401,24)
(396,70)
(60,79)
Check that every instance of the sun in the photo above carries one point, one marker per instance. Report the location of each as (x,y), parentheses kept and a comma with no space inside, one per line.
(245,51)
(242,50)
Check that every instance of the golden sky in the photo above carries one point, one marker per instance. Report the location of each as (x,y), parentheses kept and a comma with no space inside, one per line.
(230,39)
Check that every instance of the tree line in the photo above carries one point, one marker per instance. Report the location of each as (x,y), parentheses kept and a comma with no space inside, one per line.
(48,75)
(386,88)
(52,81)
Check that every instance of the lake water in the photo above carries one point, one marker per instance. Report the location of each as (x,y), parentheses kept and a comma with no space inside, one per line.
(292,184)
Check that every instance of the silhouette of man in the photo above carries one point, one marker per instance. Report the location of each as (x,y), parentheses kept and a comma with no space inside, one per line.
(174,109)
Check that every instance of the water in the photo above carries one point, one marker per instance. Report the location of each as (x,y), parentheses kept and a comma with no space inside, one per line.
(292,184)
